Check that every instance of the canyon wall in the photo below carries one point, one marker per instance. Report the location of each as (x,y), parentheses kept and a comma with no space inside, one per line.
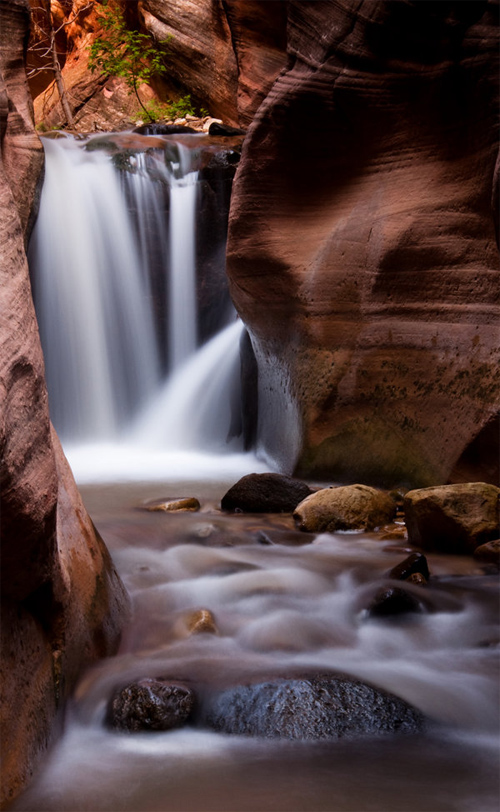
(362,251)
(62,603)
(225,55)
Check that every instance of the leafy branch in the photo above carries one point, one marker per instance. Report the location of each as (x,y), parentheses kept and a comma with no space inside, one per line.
(124,52)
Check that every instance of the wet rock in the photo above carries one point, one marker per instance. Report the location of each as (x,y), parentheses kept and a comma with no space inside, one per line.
(201,621)
(393,601)
(489,552)
(224,129)
(416,563)
(265,493)
(351,507)
(453,518)
(150,704)
(155,128)
(417,579)
(188,503)
(321,707)
(393,532)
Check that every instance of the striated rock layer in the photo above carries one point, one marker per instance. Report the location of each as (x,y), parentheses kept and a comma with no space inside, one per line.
(62,603)
(362,250)
(225,55)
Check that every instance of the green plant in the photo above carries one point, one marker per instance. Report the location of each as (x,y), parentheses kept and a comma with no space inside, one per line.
(124,52)
(157,110)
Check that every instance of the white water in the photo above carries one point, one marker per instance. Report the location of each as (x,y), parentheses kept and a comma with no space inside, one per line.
(182,300)
(100,351)
(281,610)
(115,293)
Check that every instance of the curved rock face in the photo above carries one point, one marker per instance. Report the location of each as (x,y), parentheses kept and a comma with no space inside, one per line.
(224,54)
(61,601)
(362,250)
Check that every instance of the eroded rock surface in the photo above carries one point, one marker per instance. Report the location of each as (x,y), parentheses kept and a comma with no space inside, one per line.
(224,55)
(62,603)
(362,251)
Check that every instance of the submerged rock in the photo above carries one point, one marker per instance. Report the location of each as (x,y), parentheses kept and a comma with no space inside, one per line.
(453,518)
(393,601)
(416,563)
(351,507)
(265,493)
(187,503)
(150,704)
(321,707)
(201,621)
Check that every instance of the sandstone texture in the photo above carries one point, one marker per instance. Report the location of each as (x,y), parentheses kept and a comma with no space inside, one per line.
(62,603)
(352,507)
(322,707)
(453,518)
(225,55)
(265,493)
(362,253)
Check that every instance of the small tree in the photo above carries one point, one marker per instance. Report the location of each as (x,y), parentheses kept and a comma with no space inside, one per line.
(124,52)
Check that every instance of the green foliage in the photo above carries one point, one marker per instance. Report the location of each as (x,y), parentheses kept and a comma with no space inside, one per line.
(124,52)
(159,111)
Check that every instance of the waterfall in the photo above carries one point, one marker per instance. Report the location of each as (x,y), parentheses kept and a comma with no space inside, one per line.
(91,299)
(114,273)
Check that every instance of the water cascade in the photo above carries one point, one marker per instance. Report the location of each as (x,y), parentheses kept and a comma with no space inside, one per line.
(284,604)
(115,275)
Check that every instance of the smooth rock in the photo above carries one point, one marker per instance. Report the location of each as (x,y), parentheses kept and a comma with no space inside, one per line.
(453,518)
(391,601)
(188,503)
(150,704)
(224,129)
(489,552)
(350,507)
(414,563)
(417,579)
(322,707)
(362,252)
(265,493)
(201,621)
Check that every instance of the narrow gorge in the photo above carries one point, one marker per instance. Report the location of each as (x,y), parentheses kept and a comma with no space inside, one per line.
(254,346)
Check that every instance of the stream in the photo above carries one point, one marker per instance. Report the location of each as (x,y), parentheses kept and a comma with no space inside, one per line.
(144,391)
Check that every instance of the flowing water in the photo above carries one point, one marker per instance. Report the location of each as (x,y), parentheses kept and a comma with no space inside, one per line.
(285,603)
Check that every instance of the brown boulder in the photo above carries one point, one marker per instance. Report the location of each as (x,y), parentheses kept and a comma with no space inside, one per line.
(362,252)
(352,507)
(62,603)
(489,553)
(453,518)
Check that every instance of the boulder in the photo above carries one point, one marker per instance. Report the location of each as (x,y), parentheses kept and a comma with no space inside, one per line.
(453,518)
(320,707)
(489,553)
(265,493)
(350,507)
(362,251)
(150,704)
